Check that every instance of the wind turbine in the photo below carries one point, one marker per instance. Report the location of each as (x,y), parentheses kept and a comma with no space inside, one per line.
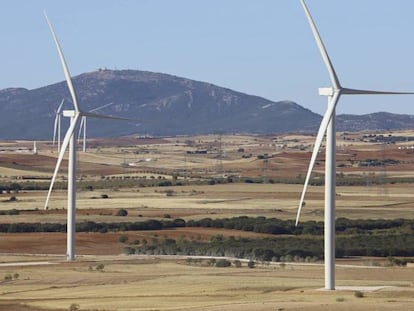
(83,125)
(56,127)
(69,140)
(328,126)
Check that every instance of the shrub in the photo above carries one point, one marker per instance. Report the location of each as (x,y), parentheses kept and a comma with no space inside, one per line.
(100,267)
(74,307)
(122,212)
(129,251)
(123,238)
(358,294)
(251,264)
(104,196)
(237,263)
(222,263)
(169,193)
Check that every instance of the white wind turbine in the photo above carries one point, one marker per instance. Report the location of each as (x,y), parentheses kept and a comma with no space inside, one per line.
(328,126)
(69,140)
(83,125)
(57,126)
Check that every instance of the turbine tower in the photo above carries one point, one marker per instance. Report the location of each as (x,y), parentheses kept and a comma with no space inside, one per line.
(57,127)
(328,126)
(69,140)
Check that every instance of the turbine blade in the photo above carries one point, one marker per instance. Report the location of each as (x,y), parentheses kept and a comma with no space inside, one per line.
(101,107)
(84,136)
(369,92)
(60,106)
(57,120)
(58,135)
(81,125)
(322,49)
(321,133)
(65,67)
(65,144)
(55,129)
(102,116)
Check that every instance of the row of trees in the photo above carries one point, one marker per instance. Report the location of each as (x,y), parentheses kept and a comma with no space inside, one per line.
(355,238)
(284,248)
(277,226)
(342,180)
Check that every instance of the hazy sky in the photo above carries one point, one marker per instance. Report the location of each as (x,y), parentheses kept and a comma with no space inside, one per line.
(260,47)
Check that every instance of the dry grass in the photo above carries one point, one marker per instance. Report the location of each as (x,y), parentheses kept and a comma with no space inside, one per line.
(141,284)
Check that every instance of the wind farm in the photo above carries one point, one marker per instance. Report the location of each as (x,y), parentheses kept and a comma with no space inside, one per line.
(214,199)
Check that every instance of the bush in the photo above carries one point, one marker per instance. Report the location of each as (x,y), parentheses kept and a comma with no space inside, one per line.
(122,212)
(104,196)
(222,263)
(129,251)
(169,193)
(100,267)
(251,264)
(237,263)
(358,294)
(123,238)
(74,307)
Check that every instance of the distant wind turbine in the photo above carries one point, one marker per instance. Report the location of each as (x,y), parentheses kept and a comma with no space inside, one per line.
(83,125)
(328,126)
(69,140)
(57,125)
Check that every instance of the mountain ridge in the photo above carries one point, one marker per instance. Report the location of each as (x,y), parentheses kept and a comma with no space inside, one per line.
(168,105)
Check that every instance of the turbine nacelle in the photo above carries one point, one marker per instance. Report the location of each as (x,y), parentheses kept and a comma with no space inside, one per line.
(69,113)
(326,91)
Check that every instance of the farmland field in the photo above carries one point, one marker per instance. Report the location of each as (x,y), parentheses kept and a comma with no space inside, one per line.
(193,178)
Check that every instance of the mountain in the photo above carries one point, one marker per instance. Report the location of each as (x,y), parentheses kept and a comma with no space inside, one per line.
(374,121)
(165,105)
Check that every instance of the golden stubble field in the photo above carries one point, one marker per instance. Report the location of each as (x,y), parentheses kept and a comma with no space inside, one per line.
(136,283)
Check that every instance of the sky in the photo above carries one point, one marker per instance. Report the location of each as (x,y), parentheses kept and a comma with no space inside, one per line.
(258,47)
